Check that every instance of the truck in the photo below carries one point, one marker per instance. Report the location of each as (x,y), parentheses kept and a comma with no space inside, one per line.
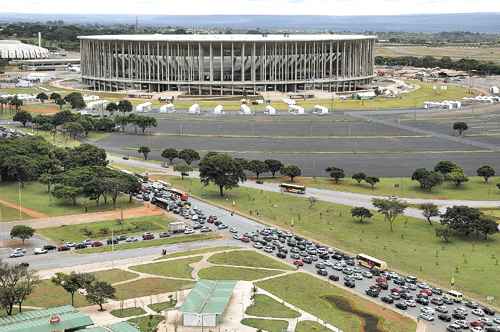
(177,227)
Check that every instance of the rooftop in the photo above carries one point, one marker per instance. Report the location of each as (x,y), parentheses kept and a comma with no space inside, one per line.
(228,37)
(208,297)
(15,49)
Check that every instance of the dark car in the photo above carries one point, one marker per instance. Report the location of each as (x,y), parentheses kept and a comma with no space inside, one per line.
(96,244)
(387,299)
(49,247)
(307,260)
(372,292)
(320,265)
(422,301)
(334,277)
(112,241)
(488,311)
(383,285)
(322,272)
(349,283)
(337,257)
(401,306)
(148,236)
(80,246)
(444,317)
(281,255)
(63,248)
(459,316)
(406,296)
(164,234)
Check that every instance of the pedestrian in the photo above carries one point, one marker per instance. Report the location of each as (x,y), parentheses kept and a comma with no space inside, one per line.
(164,252)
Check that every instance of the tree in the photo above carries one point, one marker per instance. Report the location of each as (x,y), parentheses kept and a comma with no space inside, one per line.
(144,122)
(112,107)
(359,177)
(222,170)
(125,106)
(16,103)
(21,168)
(273,165)
(361,213)
(60,102)
(189,155)
(74,129)
(145,150)
(66,192)
(460,127)
(336,173)
(461,219)
(445,166)
(258,167)
(372,181)
(23,117)
(429,210)
(390,208)
(485,226)
(54,96)
(17,282)
(85,155)
(122,122)
(42,97)
(22,232)
(170,154)
(63,117)
(457,176)
(87,124)
(71,283)
(427,179)
(183,169)
(99,292)
(291,171)
(241,161)
(486,172)
(443,233)
(75,99)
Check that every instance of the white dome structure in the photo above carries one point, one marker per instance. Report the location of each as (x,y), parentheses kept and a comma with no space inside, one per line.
(16,50)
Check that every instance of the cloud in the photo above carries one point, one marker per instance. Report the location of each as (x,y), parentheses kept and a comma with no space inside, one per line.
(276,7)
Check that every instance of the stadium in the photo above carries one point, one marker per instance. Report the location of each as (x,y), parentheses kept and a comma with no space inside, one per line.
(227,64)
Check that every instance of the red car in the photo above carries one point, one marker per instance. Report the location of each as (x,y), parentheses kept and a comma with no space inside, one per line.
(427,292)
(381,280)
(244,239)
(476,323)
(63,248)
(395,290)
(298,262)
(97,244)
(148,236)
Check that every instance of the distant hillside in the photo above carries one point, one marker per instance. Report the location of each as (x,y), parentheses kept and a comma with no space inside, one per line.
(475,22)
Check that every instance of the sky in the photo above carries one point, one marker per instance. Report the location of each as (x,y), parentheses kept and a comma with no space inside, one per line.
(249,7)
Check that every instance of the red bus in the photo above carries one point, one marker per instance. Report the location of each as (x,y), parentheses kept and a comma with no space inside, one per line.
(183,196)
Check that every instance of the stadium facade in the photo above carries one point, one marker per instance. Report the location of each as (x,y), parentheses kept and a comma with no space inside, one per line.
(227,64)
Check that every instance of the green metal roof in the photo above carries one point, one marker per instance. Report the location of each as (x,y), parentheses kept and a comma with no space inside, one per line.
(39,320)
(209,297)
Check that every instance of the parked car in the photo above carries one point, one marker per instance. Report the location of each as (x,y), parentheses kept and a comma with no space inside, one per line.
(426,317)
(322,272)
(298,262)
(63,248)
(96,244)
(164,235)
(401,305)
(387,299)
(40,251)
(334,277)
(445,317)
(49,247)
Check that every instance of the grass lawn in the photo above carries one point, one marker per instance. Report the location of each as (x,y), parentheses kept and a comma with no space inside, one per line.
(495,213)
(151,243)
(114,275)
(58,139)
(10,214)
(34,196)
(102,229)
(196,252)
(128,312)
(47,295)
(266,324)
(412,247)
(310,326)
(339,307)
(150,286)
(147,323)
(265,306)
(159,307)
(248,258)
(475,189)
(178,268)
(234,273)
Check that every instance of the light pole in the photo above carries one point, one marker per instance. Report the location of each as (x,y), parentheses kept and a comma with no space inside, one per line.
(20,201)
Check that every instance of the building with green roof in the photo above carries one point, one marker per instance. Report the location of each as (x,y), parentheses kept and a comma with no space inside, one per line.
(206,303)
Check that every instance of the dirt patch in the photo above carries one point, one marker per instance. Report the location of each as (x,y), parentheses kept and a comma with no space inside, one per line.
(370,322)
(46,108)
(29,212)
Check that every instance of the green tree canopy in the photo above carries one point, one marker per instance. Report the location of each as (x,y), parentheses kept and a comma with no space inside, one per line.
(258,167)
(145,150)
(189,155)
(361,213)
(335,173)
(390,208)
(22,232)
(359,177)
(486,172)
(23,117)
(170,154)
(222,170)
(292,171)
(274,166)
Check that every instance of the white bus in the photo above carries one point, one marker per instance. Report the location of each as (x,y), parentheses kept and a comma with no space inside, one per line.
(454,296)
(371,262)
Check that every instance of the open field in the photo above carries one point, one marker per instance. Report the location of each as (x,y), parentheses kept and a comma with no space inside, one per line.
(403,249)
(104,229)
(310,326)
(150,243)
(248,258)
(150,286)
(34,196)
(146,323)
(10,214)
(266,324)
(265,306)
(475,189)
(48,295)
(196,252)
(454,52)
(114,275)
(178,268)
(159,307)
(235,273)
(39,108)
(335,305)
(127,312)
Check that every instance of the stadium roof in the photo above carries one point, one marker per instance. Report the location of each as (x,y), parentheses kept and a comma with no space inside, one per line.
(16,50)
(67,318)
(208,297)
(228,37)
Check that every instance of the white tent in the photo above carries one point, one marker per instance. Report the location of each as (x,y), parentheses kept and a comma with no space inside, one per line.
(97,105)
(270,110)
(289,101)
(296,109)
(194,109)
(320,110)
(219,109)
(245,109)
(146,107)
(167,108)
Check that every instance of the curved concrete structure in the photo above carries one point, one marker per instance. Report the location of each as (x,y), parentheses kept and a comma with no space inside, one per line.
(16,50)
(227,64)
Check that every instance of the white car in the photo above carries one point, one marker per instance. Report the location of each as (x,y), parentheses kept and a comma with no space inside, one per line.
(132,239)
(188,231)
(19,250)
(358,276)
(426,317)
(233,230)
(39,251)
(70,244)
(476,329)
(367,274)
(427,310)
(411,303)
(478,312)
(496,321)
(194,217)
(16,254)
(442,309)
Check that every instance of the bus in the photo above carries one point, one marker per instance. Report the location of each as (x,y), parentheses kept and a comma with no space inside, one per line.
(292,188)
(371,262)
(454,296)
(183,196)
